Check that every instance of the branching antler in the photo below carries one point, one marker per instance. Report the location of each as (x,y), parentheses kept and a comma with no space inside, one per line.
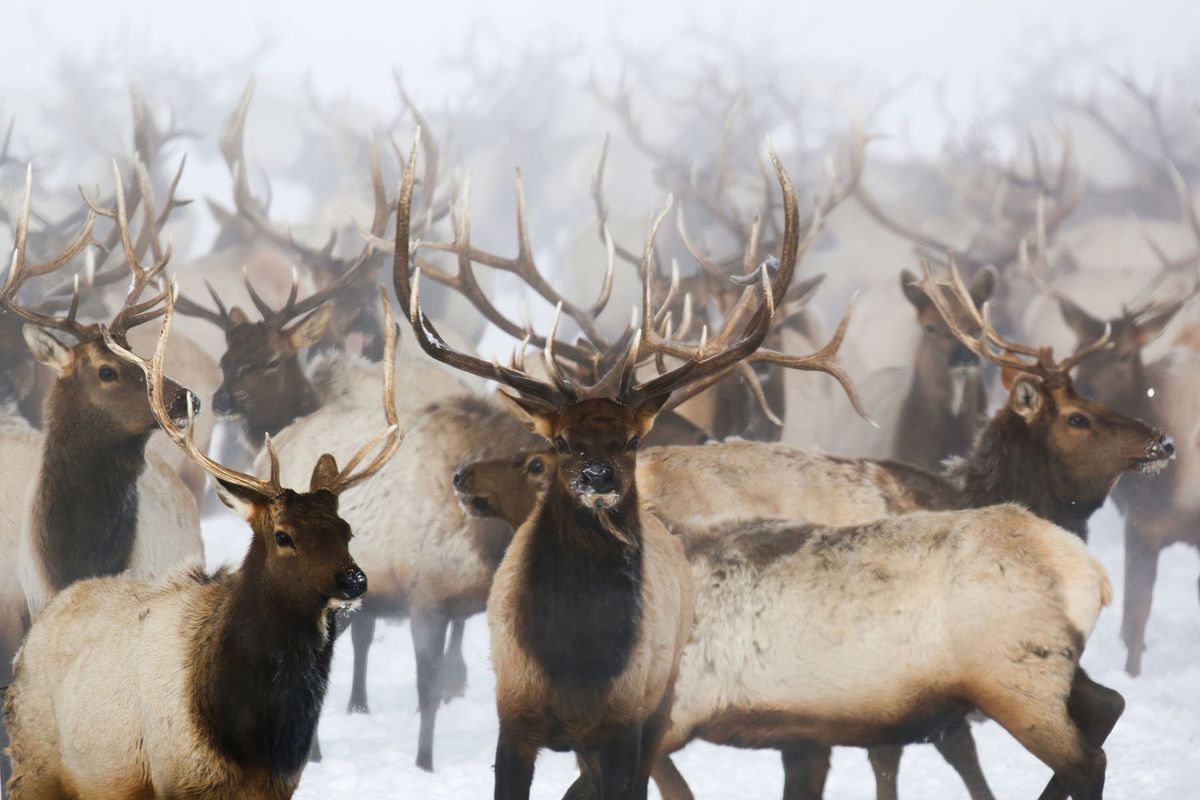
(991,345)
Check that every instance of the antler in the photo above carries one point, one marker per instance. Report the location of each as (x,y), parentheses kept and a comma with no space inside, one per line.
(390,438)
(387,441)
(135,311)
(1008,353)
(20,271)
(348,270)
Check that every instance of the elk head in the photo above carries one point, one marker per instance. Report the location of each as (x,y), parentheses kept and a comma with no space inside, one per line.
(263,382)
(301,544)
(507,488)
(1118,373)
(102,393)
(1077,445)
(596,420)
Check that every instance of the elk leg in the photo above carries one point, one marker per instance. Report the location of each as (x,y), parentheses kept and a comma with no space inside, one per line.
(429,642)
(1095,709)
(454,667)
(1141,572)
(1033,707)
(670,783)
(584,787)
(619,759)
(362,633)
(805,768)
(958,748)
(513,767)
(885,761)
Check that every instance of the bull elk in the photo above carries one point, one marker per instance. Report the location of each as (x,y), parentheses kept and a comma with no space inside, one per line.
(204,684)
(591,604)
(95,508)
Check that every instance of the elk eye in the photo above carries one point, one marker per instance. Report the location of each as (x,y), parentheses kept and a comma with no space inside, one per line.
(536,466)
(272,364)
(283,540)
(560,444)
(1126,358)
(634,443)
(1079,421)
(931,328)
(108,374)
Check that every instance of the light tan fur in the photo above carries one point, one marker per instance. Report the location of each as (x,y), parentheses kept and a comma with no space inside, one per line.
(79,717)
(846,633)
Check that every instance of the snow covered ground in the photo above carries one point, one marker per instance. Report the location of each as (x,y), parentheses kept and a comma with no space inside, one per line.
(1154,753)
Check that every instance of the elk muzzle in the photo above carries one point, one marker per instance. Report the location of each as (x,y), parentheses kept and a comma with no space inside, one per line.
(596,486)
(351,582)
(1159,452)
(223,402)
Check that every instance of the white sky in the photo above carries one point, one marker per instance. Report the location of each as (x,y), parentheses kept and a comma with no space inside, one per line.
(354,45)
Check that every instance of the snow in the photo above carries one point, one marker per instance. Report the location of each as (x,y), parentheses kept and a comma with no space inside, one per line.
(1151,754)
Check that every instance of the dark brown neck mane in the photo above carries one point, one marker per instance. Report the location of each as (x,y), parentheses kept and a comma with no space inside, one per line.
(85,513)
(582,608)
(262,666)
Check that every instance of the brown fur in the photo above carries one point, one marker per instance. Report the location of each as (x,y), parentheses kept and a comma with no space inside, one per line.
(590,569)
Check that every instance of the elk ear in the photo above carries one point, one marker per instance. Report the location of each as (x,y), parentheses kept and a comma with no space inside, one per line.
(1086,327)
(648,411)
(244,502)
(47,349)
(915,296)
(1026,397)
(237,316)
(324,474)
(311,329)
(1149,329)
(536,417)
(982,285)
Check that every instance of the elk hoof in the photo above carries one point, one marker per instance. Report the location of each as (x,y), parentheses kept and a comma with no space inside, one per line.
(358,707)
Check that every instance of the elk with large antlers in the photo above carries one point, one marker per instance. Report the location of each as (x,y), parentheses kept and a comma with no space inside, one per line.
(592,601)
(205,684)
(96,509)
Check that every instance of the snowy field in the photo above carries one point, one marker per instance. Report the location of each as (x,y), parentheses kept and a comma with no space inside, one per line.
(1154,753)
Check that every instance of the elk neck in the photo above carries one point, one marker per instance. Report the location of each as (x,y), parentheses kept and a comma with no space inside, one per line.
(86,509)
(581,608)
(937,418)
(262,667)
(1009,464)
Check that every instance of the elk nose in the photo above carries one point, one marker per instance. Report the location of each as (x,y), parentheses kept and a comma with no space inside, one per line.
(194,400)
(352,582)
(1163,448)
(460,478)
(962,357)
(598,477)
(222,401)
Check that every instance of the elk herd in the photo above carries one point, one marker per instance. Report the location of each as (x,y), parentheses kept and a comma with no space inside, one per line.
(677,528)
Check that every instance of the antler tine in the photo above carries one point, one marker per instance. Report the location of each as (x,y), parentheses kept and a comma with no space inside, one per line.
(824,360)
(408,292)
(153,370)
(390,438)
(605,285)
(134,311)
(1009,353)
(1065,366)
(597,190)
(20,271)
(522,265)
